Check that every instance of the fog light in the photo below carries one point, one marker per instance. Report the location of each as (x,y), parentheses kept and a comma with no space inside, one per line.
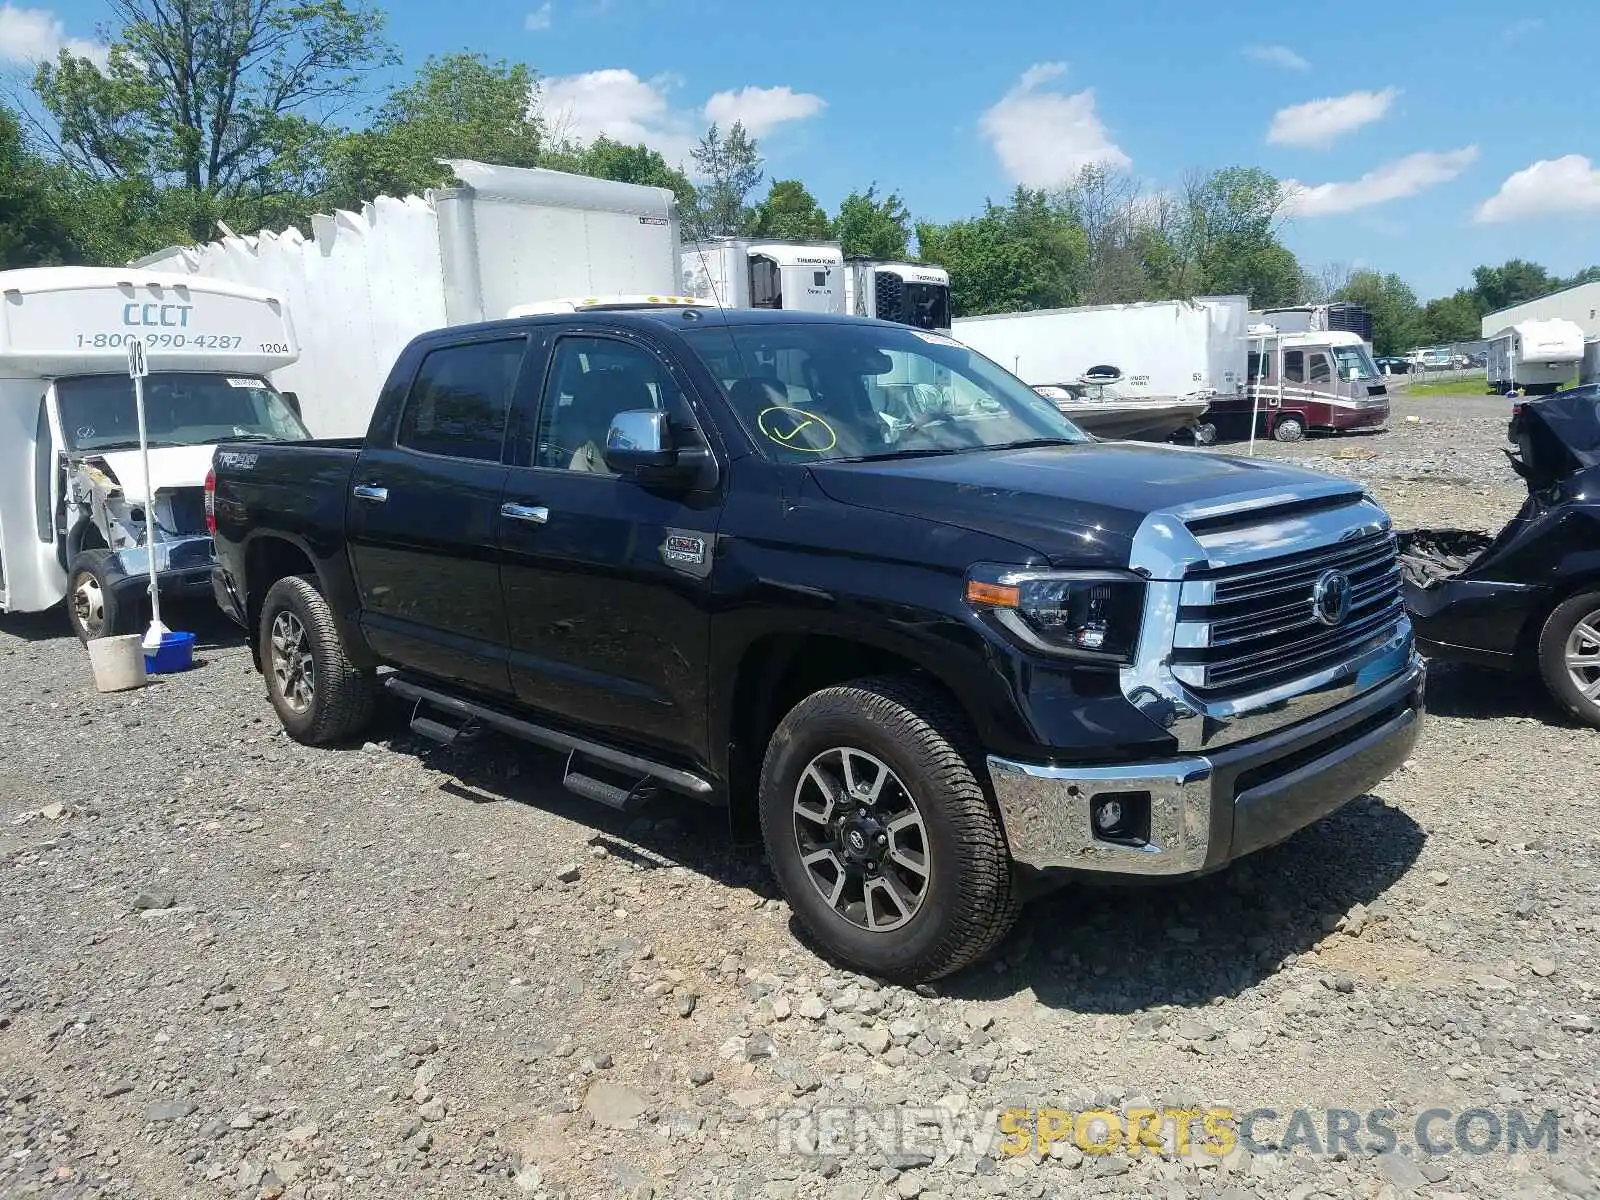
(1122,817)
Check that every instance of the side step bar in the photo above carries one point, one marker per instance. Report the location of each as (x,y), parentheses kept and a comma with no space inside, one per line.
(686,782)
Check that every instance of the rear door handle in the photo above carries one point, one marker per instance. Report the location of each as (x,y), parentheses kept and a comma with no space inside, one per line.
(525,512)
(366,491)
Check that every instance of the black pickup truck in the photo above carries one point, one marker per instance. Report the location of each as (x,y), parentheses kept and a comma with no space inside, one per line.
(848,579)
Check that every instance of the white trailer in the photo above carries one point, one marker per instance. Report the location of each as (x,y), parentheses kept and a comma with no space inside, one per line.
(78,517)
(738,272)
(1589,373)
(1535,357)
(364,284)
(906,293)
(1163,348)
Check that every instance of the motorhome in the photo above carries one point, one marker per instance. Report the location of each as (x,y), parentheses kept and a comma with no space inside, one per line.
(906,293)
(1303,381)
(1535,357)
(739,272)
(364,284)
(78,517)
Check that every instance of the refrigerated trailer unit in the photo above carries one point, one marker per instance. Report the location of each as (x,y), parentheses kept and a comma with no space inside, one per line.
(364,284)
(1535,357)
(739,272)
(906,293)
(1341,316)
(78,517)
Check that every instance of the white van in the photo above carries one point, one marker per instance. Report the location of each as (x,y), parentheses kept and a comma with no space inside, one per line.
(74,502)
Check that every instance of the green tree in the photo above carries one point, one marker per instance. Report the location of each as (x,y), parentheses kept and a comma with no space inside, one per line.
(732,168)
(33,229)
(608,159)
(458,106)
(1225,239)
(872,227)
(791,213)
(1396,319)
(1028,254)
(1456,318)
(226,102)
(1513,282)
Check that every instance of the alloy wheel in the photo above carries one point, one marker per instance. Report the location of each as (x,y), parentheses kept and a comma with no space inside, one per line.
(861,839)
(293,666)
(1583,657)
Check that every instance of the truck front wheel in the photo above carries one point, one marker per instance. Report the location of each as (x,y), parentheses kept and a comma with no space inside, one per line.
(1569,656)
(880,833)
(320,696)
(93,605)
(1289,429)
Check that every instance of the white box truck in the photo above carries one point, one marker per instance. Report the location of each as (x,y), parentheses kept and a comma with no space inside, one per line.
(364,284)
(1535,357)
(740,272)
(78,518)
(906,293)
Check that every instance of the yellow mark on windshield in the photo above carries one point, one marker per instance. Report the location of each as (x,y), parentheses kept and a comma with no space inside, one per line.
(785,426)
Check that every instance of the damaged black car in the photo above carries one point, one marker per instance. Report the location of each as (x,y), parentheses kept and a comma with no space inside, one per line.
(1527,598)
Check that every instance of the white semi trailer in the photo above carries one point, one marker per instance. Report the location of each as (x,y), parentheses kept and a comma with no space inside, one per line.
(739,272)
(364,284)
(78,517)
(906,293)
(1535,357)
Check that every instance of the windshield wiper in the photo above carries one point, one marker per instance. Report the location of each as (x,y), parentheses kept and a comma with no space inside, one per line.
(1043,441)
(922,453)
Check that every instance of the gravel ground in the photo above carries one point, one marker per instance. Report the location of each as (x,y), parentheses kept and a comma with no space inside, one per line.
(236,967)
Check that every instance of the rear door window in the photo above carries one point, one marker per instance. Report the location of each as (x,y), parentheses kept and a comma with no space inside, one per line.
(460,399)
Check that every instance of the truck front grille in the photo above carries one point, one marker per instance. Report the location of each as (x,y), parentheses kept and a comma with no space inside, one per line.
(1251,628)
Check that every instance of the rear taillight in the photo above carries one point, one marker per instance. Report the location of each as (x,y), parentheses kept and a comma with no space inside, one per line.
(211,501)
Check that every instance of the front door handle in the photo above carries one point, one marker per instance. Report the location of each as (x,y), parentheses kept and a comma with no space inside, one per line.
(366,491)
(525,512)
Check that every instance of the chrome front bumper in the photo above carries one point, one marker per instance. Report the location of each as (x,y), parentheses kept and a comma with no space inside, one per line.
(1206,810)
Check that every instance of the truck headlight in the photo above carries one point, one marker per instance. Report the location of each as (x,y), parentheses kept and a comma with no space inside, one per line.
(1087,615)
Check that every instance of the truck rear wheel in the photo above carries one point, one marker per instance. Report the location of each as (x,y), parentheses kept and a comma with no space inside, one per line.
(320,696)
(1569,656)
(93,607)
(880,832)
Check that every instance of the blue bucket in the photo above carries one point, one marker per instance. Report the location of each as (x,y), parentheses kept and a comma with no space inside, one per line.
(175,654)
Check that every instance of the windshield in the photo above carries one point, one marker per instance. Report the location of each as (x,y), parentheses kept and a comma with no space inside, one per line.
(809,393)
(927,306)
(1354,362)
(181,409)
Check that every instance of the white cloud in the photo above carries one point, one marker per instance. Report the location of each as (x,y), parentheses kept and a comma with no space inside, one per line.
(617,103)
(1044,138)
(34,35)
(1277,56)
(762,109)
(1318,122)
(1549,187)
(1526,27)
(539,19)
(1393,181)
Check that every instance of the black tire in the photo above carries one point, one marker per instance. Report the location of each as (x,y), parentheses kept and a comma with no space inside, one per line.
(970,899)
(94,608)
(335,702)
(1205,434)
(1557,641)
(1288,429)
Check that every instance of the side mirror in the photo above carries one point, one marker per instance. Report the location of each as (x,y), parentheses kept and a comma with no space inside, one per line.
(640,443)
(292,399)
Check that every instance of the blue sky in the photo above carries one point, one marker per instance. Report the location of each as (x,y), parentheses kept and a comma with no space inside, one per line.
(1441,136)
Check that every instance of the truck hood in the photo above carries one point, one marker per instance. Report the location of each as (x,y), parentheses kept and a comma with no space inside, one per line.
(170,467)
(1077,505)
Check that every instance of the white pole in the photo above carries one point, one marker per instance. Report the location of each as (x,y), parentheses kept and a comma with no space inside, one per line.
(1255,393)
(138,369)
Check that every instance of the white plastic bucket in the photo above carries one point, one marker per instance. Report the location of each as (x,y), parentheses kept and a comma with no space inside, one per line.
(118,662)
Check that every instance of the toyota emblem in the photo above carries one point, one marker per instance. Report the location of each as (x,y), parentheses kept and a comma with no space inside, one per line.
(1330,598)
(857,841)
